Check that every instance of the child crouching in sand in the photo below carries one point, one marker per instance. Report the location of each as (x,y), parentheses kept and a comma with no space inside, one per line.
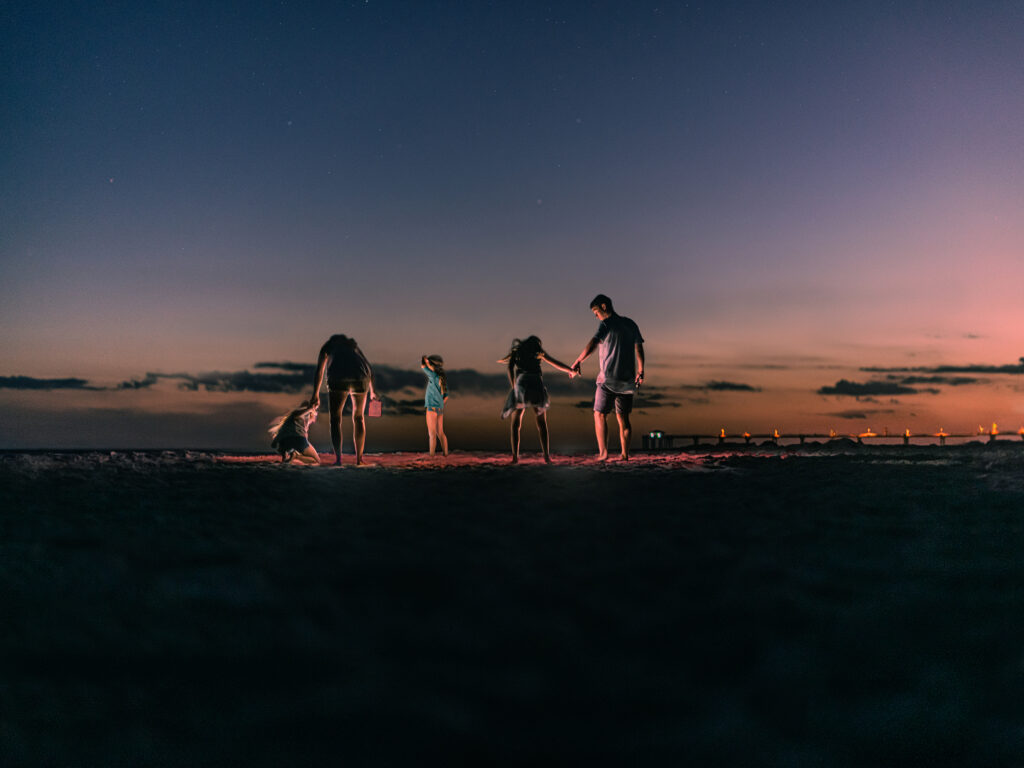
(290,434)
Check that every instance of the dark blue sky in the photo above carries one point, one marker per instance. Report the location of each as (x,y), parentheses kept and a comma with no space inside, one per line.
(199,186)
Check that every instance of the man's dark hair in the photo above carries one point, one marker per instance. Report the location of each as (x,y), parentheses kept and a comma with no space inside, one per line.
(602,299)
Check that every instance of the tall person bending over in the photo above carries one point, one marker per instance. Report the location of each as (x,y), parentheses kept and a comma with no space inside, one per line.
(348,375)
(621,372)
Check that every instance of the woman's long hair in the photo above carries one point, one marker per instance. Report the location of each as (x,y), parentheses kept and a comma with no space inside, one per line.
(437,363)
(523,349)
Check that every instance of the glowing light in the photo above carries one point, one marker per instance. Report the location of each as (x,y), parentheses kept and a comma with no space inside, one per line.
(722,433)
(995,429)
(942,433)
(869,433)
(906,433)
(776,434)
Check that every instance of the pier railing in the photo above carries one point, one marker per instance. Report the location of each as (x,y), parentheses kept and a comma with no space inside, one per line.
(659,440)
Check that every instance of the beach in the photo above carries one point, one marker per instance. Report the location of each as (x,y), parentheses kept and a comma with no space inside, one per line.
(816,606)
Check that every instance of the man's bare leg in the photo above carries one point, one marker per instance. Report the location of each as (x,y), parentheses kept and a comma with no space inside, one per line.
(601,430)
(625,433)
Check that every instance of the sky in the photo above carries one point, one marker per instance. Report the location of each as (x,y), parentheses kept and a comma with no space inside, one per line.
(813,211)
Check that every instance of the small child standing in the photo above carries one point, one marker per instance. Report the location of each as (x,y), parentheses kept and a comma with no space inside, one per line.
(434,400)
(290,434)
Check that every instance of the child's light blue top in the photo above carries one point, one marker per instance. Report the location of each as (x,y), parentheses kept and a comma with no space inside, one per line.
(433,399)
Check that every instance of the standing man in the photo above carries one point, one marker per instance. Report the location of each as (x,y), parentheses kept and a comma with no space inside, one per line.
(621,372)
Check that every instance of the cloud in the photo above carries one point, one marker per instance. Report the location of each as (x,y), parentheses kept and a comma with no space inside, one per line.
(28,382)
(644,402)
(1015,369)
(144,383)
(953,381)
(243,381)
(305,368)
(295,378)
(861,414)
(730,386)
(721,386)
(846,388)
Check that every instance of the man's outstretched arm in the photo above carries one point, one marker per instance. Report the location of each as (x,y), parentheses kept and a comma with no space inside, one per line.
(587,352)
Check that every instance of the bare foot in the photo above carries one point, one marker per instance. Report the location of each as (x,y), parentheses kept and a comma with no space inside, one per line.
(602,456)
(515,459)
(624,457)
(547,459)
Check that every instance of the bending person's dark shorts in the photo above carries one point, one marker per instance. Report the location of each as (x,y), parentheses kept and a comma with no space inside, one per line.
(348,386)
(604,397)
(290,443)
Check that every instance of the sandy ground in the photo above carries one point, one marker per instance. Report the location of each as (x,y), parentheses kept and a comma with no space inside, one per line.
(862,607)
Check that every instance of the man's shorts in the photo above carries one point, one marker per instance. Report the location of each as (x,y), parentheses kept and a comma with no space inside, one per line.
(604,398)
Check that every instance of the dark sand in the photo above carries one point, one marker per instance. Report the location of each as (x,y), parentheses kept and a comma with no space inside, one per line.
(861,608)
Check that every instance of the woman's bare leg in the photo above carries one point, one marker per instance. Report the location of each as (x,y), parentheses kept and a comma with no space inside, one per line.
(337,402)
(441,434)
(359,423)
(542,430)
(517,422)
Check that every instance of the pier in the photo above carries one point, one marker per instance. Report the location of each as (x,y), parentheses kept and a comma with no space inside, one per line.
(660,440)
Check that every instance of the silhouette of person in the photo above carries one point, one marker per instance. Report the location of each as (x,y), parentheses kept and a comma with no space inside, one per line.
(528,390)
(349,374)
(621,372)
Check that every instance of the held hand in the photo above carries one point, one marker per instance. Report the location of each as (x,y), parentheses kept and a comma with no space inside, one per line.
(640,378)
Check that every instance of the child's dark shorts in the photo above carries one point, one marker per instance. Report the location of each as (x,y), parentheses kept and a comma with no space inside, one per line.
(291,443)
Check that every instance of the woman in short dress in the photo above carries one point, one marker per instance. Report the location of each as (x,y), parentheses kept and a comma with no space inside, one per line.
(528,390)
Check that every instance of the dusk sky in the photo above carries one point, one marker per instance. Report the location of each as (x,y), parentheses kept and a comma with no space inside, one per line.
(814,211)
